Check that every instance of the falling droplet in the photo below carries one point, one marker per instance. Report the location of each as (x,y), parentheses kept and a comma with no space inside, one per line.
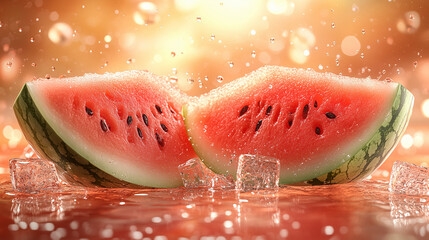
(68,71)
(174,71)
(47,76)
(272,39)
(219,79)
(388,80)
(363,31)
(337,62)
(33,64)
(53,69)
(212,37)
(9,64)
(383,71)
(332,25)
(191,80)
(32,39)
(19,29)
(130,60)
(173,54)
(362,55)
(198,19)
(173,79)
(206,78)
(231,64)
(349,70)
(411,16)
(415,64)
(320,66)
(253,54)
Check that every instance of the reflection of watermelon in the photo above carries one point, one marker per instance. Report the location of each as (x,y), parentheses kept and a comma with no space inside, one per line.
(323,128)
(127,125)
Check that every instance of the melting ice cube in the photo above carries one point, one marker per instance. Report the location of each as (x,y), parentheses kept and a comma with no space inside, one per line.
(196,175)
(33,175)
(410,179)
(257,173)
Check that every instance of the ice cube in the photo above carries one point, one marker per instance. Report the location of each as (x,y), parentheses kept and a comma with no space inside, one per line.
(410,179)
(257,173)
(196,175)
(33,175)
(29,152)
(193,174)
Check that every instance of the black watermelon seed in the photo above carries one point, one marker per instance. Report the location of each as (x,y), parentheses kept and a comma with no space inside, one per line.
(268,110)
(330,115)
(103,125)
(129,120)
(89,111)
(318,131)
(164,127)
(315,104)
(159,140)
(139,132)
(158,108)
(145,120)
(244,110)
(290,123)
(305,111)
(258,125)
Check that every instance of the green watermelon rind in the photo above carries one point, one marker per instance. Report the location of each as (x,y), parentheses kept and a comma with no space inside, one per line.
(49,145)
(361,163)
(375,151)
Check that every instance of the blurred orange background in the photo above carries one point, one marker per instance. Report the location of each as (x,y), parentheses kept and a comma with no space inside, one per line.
(200,45)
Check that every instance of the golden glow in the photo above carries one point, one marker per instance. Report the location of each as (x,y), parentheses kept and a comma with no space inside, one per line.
(60,33)
(350,46)
(407,141)
(425,108)
(278,7)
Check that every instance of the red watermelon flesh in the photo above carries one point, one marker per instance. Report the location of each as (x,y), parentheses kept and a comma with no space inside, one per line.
(128,125)
(312,122)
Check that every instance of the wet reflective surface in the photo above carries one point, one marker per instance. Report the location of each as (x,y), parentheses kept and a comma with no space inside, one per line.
(364,210)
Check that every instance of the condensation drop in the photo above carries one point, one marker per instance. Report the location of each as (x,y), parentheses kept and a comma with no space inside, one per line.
(219,79)
(253,54)
(231,64)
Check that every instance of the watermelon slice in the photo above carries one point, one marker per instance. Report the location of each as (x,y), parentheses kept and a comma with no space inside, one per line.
(323,128)
(108,130)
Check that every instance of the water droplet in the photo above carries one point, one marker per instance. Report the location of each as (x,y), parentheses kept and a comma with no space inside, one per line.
(32,39)
(47,76)
(320,66)
(349,70)
(198,19)
(388,79)
(206,78)
(37,19)
(33,64)
(174,71)
(19,29)
(173,79)
(191,80)
(415,64)
(173,54)
(383,71)
(253,54)
(362,55)
(337,62)
(333,25)
(60,33)
(212,37)
(411,16)
(363,31)
(130,60)
(68,71)
(219,79)
(272,39)
(9,64)
(231,64)
(53,69)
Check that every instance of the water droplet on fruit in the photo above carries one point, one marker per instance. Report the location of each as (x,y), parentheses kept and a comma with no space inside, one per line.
(332,25)
(231,64)
(47,76)
(253,54)
(219,79)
